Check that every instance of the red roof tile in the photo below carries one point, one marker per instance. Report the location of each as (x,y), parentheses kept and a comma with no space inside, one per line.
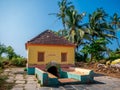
(49,37)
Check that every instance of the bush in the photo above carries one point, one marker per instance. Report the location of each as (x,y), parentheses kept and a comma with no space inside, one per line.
(25,69)
(114,56)
(80,57)
(18,62)
(39,81)
(1,64)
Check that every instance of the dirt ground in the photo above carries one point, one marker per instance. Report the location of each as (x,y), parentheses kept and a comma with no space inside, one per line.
(98,68)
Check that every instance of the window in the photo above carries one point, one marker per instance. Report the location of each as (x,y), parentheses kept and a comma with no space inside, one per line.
(40,56)
(63,57)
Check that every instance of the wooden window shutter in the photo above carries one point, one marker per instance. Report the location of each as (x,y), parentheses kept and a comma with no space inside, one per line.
(40,56)
(63,57)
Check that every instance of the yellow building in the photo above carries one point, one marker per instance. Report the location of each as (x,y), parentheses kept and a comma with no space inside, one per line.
(51,58)
(48,47)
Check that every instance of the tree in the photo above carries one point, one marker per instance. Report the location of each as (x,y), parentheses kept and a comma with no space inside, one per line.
(96,49)
(63,6)
(10,52)
(97,28)
(71,20)
(2,49)
(116,24)
(88,34)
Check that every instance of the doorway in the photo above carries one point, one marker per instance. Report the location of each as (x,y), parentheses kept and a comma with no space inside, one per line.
(53,70)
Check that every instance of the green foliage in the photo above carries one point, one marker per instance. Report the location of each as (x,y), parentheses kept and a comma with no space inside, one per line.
(39,81)
(25,69)
(95,34)
(2,49)
(71,22)
(36,76)
(11,57)
(10,52)
(2,78)
(80,57)
(115,21)
(5,85)
(18,62)
(1,64)
(114,55)
(96,49)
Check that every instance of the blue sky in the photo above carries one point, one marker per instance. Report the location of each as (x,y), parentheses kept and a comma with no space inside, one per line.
(21,20)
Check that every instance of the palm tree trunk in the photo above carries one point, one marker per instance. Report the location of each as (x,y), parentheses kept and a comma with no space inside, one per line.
(91,58)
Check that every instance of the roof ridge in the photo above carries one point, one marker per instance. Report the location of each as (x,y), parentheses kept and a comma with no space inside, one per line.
(38,35)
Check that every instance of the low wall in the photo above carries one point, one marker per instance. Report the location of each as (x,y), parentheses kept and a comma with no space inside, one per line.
(45,79)
(31,70)
(42,76)
(85,76)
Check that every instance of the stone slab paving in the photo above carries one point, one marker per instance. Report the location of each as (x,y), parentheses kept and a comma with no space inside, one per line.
(23,81)
(20,82)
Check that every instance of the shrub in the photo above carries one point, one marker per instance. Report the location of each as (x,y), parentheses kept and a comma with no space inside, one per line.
(114,56)
(18,62)
(39,81)
(80,57)
(1,64)
(25,69)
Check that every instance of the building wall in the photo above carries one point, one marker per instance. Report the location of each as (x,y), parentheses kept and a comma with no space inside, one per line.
(52,53)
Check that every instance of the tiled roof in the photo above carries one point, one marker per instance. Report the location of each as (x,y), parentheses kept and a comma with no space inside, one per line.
(50,38)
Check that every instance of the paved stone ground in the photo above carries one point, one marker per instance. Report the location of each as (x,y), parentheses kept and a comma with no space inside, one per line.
(28,82)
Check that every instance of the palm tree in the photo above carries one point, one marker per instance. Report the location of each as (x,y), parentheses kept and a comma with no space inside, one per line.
(72,21)
(116,24)
(98,27)
(63,6)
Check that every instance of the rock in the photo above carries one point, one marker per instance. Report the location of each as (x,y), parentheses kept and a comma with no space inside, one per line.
(115,65)
(108,63)
(115,61)
(100,65)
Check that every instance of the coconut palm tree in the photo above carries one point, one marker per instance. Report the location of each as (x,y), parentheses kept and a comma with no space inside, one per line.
(73,19)
(70,20)
(116,24)
(98,27)
(63,6)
